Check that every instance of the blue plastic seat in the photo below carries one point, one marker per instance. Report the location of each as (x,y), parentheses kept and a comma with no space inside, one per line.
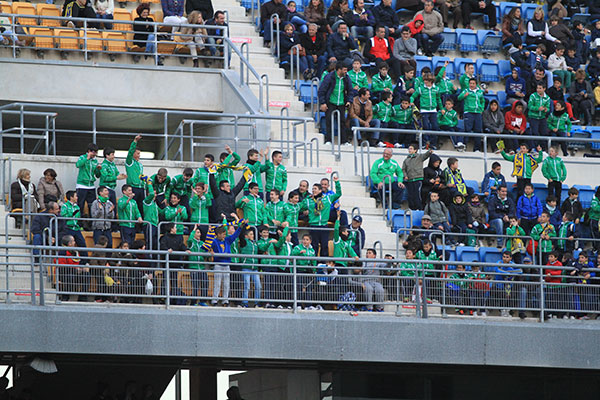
(490,254)
(400,221)
(491,95)
(449,254)
(505,7)
(584,18)
(423,61)
(489,41)
(467,253)
(578,132)
(305,93)
(439,62)
(527,10)
(488,70)
(473,184)
(450,40)
(595,134)
(467,40)
(416,217)
(505,68)
(459,65)
(541,191)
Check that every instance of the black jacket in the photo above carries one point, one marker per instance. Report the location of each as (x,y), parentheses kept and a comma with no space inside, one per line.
(430,173)
(269,8)
(41,222)
(328,84)
(460,213)
(215,31)
(385,16)
(574,208)
(175,243)
(141,31)
(204,6)
(313,48)
(498,209)
(224,202)
(339,48)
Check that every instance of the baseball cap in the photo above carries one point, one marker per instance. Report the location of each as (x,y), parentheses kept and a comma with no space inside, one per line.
(357,218)
(426,217)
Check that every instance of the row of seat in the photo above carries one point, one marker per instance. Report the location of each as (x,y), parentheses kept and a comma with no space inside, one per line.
(50,10)
(72,39)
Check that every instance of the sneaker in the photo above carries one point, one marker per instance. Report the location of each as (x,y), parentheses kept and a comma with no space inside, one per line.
(202,304)
(483,314)
(319,307)
(380,144)
(280,307)
(310,308)
(572,317)
(461,244)
(521,315)
(419,52)
(397,145)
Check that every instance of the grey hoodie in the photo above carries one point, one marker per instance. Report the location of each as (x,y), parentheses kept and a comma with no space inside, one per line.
(494,121)
(437,211)
(412,167)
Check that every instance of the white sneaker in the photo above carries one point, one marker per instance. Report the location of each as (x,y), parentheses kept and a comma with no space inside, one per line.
(461,244)
(319,307)
(380,144)
(460,144)
(280,306)
(419,52)
(397,145)
(565,317)
(483,314)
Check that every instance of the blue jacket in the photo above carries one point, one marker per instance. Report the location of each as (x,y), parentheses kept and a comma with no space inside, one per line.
(42,221)
(172,7)
(529,207)
(356,21)
(339,48)
(515,85)
(533,61)
(498,208)
(574,62)
(593,68)
(505,273)
(386,16)
(555,217)
(489,181)
(224,246)
(326,88)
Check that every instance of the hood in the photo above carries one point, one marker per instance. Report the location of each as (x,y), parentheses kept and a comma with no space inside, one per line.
(413,29)
(433,158)
(462,203)
(518,72)
(497,109)
(514,105)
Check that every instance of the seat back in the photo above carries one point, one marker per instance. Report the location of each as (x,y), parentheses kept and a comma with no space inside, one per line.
(422,62)
(122,15)
(467,253)
(48,10)
(67,39)
(459,65)
(27,9)
(114,42)
(450,40)
(94,40)
(488,71)
(467,40)
(42,38)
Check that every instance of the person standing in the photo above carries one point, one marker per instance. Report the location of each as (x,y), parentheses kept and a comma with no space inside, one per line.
(134,170)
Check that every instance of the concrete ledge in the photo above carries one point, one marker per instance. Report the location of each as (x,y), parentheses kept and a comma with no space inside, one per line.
(327,337)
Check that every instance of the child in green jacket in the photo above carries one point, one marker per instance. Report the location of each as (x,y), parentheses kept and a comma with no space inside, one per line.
(249,246)
(555,171)
(86,177)
(109,174)
(473,110)
(429,103)
(381,83)
(560,124)
(402,118)
(358,77)
(538,107)
(253,206)
(229,158)
(448,120)
(382,115)
(198,275)
(276,174)
(274,210)
(176,213)
(542,233)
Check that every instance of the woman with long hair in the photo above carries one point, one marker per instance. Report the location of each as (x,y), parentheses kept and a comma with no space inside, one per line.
(513,27)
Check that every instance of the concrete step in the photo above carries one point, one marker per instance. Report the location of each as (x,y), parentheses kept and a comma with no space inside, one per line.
(258,61)
(242,29)
(275,72)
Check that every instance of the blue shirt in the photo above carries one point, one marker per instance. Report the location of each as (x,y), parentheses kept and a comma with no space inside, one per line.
(224,246)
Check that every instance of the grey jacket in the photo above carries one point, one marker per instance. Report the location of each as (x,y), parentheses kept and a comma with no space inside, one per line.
(494,121)
(433,22)
(55,189)
(405,49)
(370,270)
(437,211)
(101,214)
(412,167)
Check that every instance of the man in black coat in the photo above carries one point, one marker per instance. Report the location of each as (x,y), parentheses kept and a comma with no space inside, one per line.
(204,6)
(266,11)
(315,46)
(335,93)
(224,198)
(40,223)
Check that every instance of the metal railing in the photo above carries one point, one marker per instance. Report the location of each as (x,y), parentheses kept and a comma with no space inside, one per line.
(85,38)
(191,118)
(417,287)
(6,176)
(545,141)
(275,36)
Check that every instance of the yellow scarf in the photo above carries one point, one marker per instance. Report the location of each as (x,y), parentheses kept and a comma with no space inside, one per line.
(519,164)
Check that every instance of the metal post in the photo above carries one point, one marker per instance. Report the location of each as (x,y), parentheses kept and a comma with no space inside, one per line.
(94,126)
(424,291)
(32,264)
(166,135)
(420,134)
(167,280)
(47,134)
(178,385)
(295,289)
(22,129)
(485,154)
(541,280)
(85,43)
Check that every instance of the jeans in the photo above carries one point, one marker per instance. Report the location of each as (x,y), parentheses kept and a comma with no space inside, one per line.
(150,44)
(474,123)
(555,188)
(83,196)
(10,34)
(221,274)
(361,32)
(375,123)
(455,139)
(429,44)
(319,237)
(213,46)
(430,124)
(413,189)
(300,24)
(255,278)
(563,145)
(127,234)
(539,127)
(302,60)
(374,291)
(107,234)
(498,225)
(107,25)
(199,280)
(319,65)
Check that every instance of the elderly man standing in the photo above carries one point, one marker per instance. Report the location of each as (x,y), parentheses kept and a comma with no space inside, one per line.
(430,37)
(383,167)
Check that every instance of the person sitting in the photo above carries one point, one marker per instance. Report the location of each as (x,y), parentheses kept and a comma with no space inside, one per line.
(340,44)
(379,49)
(104,10)
(290,46)
(337,13)
(314,13)
(481,6)
(314,45)
(363,21)
(405,49)
(144,36)
(386,16)
(23,194)
(50,189)
(539,33)
(515,86)
(173,14)
(383,167)
(79,9)
(194,37)
(500,208)
(580,97)
(215,44)
(430,37)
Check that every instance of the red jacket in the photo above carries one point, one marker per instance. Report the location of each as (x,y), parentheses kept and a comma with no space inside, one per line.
(69,258)
(380,48)
(513,120)
(413,29)
(555,273)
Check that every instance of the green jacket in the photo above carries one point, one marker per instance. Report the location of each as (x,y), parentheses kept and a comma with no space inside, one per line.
(70,210)
(464,81)
(432,256)
(430,99)
(151,211)
(251,248)
(199,206)
(474,102)
(171,215)
(161,188)
(310,259)
(87,170)
(554,168)
(133,168)
(291,213)
(460,279)
(226,174)
(528,169)
(449,118)
(107,172)
(195,246)
(275,177)
(274,211)
(128,210)
(378,84)
(594,211)
(511,243)
(254,209)
(401,115)
(358,79)
(319,209)
(181,186)
(257,169)
(536,233)
(444,84)
(561,124)
(280,248)
(201,175)
(534,103)
(382,111)
(407,268)
(263,248)
(341,248)
(418,82)
(381,168)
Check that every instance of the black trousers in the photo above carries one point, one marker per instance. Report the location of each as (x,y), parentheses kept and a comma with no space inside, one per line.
(328,114)
(471,6)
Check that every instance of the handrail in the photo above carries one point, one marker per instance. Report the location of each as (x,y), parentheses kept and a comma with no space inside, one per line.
(295,55)
(336,122)
(244,62)
(314,82)
(6,177)
(389,203)
(275,47)
(547,140)
(364,144)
